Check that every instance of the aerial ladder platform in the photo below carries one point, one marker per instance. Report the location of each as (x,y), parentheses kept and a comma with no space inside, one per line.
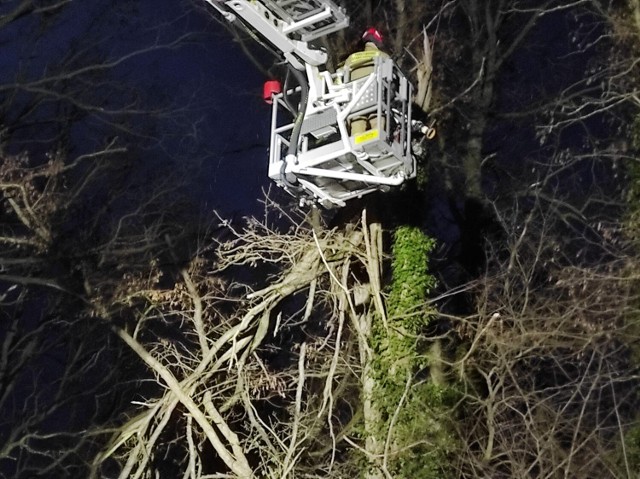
(315,153)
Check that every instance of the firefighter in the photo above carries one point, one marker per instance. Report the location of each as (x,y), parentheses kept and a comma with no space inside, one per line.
(359,65)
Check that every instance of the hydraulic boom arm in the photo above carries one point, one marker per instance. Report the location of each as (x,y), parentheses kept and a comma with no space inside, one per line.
(287,25)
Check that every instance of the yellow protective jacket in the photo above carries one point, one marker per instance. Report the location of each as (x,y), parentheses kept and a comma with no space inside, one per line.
(360,64)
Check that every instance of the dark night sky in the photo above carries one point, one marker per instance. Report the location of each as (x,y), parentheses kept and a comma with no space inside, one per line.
(232,127)
(223,123)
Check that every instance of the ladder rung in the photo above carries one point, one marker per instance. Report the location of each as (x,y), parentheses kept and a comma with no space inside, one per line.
(310,19)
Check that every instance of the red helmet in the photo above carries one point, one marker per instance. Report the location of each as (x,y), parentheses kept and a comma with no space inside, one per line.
(372,35)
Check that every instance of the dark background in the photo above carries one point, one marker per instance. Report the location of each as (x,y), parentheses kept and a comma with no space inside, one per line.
(197,94)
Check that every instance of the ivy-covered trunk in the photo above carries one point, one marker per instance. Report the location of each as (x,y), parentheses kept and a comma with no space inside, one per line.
(406,431)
